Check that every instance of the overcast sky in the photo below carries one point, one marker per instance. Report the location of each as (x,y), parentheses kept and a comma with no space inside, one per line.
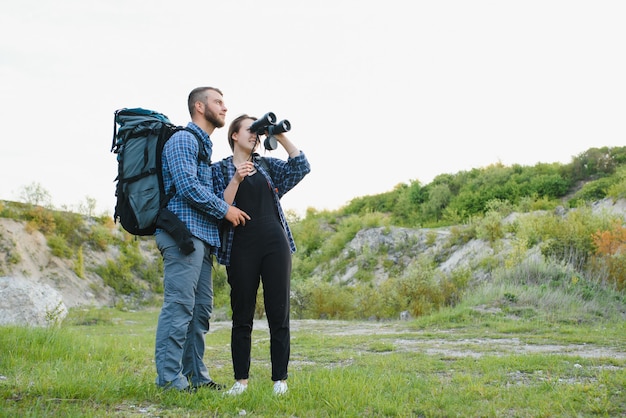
(377,92)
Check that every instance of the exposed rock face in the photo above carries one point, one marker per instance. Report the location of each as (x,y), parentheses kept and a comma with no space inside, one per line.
(379,249)
(402,246)
(24,302)
(24,254)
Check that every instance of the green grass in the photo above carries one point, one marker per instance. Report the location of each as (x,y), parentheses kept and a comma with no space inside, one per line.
(459,362)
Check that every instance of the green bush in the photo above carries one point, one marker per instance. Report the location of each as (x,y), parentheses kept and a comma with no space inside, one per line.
(59,246)
(594,190)
(79,264)
(617,190)
(118,275)
(40,219)
(490,228)
(72,226)
(131,272)
(319,299)
(100,237)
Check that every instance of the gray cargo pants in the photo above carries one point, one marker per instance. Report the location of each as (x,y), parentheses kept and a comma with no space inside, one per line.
(184,318)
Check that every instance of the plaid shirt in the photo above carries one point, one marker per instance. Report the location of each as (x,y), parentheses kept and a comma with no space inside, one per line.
(195,203)
(282,176)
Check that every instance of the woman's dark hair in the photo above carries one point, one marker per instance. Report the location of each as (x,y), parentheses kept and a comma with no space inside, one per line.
(235,125)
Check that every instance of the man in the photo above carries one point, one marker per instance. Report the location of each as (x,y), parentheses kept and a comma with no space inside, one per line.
(188,286)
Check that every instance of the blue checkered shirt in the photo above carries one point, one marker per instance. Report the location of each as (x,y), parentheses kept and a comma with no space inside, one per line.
(282,176)
(195,202)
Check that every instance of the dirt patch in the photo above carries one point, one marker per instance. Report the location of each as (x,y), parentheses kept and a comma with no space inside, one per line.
(437,343)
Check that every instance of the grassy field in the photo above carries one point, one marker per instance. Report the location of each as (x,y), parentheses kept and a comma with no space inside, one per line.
(459,362)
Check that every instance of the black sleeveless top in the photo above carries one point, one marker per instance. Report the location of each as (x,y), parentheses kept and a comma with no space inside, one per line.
(255,197)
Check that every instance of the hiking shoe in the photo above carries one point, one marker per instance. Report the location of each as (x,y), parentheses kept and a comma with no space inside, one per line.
(210,385)
(237,389)
(280,387)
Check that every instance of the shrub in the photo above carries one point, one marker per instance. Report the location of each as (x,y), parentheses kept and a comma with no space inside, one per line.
(117,274)
(422,290)
(59,247)
(123,273)
(594,190)
(318,299)
(100,237)
(563,238)
(610,254)
(617,190)
(79,264)
(490,228)
(40,219)
(72,226)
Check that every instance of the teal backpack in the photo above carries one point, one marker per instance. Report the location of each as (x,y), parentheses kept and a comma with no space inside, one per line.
(138,139)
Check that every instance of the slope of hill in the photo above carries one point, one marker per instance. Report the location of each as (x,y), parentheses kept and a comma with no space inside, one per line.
(456,220)
(25,253)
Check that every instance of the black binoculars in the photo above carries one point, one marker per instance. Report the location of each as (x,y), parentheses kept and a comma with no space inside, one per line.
(268,123)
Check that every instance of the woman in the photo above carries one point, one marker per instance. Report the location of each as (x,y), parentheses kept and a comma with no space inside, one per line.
(261,249)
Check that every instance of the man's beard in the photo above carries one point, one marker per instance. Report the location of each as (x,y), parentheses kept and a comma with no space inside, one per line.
(213,118)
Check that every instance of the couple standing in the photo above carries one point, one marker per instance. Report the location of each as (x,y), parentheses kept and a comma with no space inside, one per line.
(257,246)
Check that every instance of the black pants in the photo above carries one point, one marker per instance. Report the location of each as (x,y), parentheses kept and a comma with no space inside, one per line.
(260,253)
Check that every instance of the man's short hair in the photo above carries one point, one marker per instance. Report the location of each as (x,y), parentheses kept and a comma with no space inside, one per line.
(199,95)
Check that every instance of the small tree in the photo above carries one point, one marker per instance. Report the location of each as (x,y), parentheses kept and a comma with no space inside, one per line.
(88,207)
(35,194)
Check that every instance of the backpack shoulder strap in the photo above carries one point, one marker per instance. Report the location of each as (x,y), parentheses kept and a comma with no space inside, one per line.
(257,158)
(203,155)
(262,161)
(223,166)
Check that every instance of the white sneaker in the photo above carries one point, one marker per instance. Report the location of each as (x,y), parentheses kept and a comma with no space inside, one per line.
(280,387)
(237,389)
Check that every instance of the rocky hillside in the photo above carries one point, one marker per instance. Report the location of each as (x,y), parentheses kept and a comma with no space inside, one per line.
(374,250)
(24,254)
